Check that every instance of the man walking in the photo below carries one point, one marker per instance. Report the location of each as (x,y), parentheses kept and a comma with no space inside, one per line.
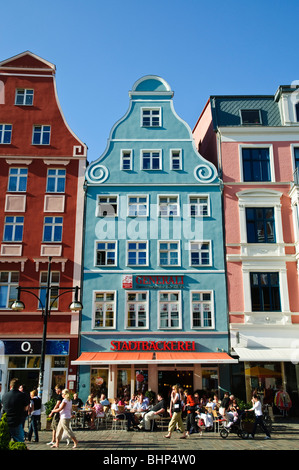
(257,408)
(14,405)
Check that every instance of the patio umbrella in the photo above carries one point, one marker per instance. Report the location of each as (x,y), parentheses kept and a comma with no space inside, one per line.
(258,371)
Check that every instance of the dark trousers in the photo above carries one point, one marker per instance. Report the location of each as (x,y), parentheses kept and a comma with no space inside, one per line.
(33,428)
(191,424)
(259,420)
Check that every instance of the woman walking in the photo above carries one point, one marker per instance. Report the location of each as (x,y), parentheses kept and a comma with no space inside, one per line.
(65,411)
(176,413)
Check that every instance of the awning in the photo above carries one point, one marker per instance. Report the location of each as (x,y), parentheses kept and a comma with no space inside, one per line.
(268,354)
(94,358)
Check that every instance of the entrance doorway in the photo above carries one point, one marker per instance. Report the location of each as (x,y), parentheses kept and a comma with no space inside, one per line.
(168,378)
(28,378)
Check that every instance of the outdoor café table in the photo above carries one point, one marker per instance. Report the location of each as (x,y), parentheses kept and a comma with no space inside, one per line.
(83,414)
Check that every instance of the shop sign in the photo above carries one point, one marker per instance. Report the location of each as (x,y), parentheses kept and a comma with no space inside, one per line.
(27,347)
(128,281)
(160,282)
(152,346)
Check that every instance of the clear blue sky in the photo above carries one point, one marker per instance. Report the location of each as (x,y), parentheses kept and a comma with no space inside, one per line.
(100,48)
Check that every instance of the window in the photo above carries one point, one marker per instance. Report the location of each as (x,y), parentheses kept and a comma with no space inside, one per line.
(17,180)
(9,282)
(151,117)
(176,160)
(106,253)
(168,206)
(256,164)
(251,116)
(200,253)
(296,157)
(151,160)
(169,310)
(265,296)
(297,111)
(105,313)
(137,253)
(169,253)
(5,133)
(13,229)
(126,160)
(138,206)
(53,229)
(137,309)
(260,225)
(107,206)
(54,291)
(41,135)
(201,310)
(199,206)
(56,180)
(24,97)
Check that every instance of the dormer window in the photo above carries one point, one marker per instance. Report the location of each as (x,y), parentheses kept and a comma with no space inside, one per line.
(151,117)
(251,116)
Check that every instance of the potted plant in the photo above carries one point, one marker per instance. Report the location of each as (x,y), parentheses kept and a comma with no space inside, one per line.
(49,405)
(5,440)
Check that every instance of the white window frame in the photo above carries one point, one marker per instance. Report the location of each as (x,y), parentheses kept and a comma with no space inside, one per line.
(271,156)
(199,205)
(168,302)
(18,176)
(169,250)
(146,196)
(168,204)
(4,130)
(146,302)
(53,225)
(14,224)
(106,249)
(201,302)
(151,109)
(43,131)
(122,156)
(172,157)
(107,196)
(10,285)
(55,177)
(200,265)
(251,124)
(25,95)
(54,284)
(114,302)
(138,251)
(151,151)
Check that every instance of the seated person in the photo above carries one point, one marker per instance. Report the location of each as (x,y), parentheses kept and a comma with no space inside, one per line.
(77,401)
(157,410)
(104,400)
(136,413)
(99,409)
(91,413)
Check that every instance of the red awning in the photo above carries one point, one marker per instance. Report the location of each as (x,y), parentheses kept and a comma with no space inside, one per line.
(93,358)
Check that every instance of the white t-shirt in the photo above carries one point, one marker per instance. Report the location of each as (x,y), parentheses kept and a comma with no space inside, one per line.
(257,408)
(66,412)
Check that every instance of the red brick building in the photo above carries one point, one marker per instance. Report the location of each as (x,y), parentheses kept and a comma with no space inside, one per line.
(42,167)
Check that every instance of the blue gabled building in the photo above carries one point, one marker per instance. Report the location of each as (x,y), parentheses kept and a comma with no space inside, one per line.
(154,290)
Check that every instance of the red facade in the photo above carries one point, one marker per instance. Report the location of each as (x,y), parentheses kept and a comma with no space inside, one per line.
(42,165)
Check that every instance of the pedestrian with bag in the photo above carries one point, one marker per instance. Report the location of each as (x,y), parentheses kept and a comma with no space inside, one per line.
(176,413)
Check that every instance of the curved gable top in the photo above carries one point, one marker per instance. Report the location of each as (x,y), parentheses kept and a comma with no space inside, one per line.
(151,84)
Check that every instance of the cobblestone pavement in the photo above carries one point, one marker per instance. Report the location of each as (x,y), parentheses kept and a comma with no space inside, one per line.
(285,436)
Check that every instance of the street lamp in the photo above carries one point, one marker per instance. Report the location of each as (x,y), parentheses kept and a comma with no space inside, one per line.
(18,306)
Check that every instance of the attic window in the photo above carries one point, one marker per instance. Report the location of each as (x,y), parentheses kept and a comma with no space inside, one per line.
(251,116)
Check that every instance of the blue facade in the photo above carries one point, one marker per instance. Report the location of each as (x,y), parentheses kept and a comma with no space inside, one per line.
(154,271)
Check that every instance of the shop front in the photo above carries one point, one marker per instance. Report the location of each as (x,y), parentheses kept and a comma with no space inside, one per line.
(21,359)
(141,365)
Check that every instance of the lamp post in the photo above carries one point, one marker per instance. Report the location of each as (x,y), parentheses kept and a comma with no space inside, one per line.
(18,305)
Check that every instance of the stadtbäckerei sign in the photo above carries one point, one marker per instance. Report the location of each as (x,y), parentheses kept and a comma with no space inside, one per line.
(152,346)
